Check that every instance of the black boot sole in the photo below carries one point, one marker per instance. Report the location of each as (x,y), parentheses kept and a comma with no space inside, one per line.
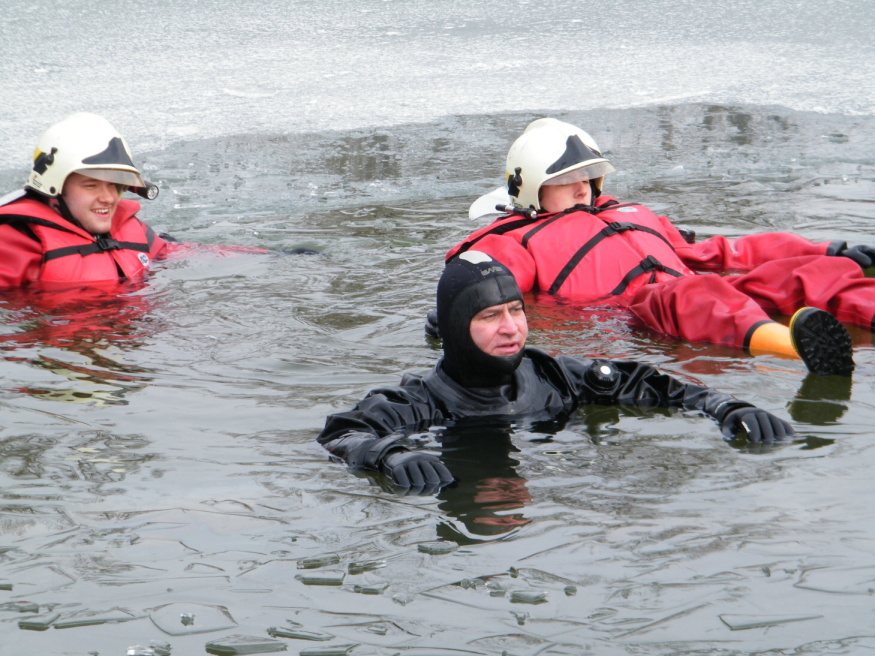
(822,342)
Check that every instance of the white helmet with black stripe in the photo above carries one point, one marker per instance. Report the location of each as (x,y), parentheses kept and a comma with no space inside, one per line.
(87,144)
(552,152)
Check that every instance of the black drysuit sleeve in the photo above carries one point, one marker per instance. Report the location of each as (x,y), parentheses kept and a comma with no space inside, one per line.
(625,382)
(363,435)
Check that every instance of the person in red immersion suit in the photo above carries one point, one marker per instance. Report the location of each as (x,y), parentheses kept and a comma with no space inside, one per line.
(70,224)
(563,236)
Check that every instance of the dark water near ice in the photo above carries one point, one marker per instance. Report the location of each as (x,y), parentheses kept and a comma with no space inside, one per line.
(157,457)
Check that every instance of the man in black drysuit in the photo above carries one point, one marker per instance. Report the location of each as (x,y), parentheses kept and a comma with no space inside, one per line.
(487,374)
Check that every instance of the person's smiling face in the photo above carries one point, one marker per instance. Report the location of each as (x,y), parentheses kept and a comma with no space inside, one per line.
(91,202)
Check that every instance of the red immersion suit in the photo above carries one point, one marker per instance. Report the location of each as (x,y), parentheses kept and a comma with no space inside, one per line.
(37,244)
(624,254)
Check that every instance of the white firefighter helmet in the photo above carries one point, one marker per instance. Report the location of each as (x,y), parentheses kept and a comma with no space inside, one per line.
(87,144)
(552,152)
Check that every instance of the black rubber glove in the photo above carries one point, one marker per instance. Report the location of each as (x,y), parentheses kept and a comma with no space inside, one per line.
(688,235)
(862,255)
(414,469)
(168,237)
(758,426)
(431,324)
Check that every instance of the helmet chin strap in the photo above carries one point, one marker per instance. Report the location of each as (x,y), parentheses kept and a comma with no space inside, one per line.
(596,192)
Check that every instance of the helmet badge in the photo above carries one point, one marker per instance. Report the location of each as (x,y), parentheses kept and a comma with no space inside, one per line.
(43,161)
(514,182)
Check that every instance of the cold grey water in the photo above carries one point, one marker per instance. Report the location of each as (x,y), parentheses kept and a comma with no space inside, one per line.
(161,486)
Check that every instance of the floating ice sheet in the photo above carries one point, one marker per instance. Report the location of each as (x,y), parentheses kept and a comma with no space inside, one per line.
(297,634)
(437,548)
(186,619)
(340,650)
(244,644)
(90,617)
(19,607)
(38,622)
(325,577)
(528,597)
(318,561)
(847,580)
(742,622)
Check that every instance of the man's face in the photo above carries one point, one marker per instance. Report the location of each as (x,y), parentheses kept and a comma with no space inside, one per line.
(91,202)
(555,198)
(500,330)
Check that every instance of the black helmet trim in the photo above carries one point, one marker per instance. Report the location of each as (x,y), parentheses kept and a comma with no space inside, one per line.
(115,153)
(575,152)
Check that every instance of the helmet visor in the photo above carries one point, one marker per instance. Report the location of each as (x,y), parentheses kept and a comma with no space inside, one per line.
(115,176)
(587,171)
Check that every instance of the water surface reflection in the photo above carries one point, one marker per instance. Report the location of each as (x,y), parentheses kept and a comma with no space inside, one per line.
(81,334)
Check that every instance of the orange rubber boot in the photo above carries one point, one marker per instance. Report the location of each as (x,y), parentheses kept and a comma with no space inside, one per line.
(772,337)
(815,336)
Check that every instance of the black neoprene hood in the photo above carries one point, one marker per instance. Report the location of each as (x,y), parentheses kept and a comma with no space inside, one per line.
(471,282)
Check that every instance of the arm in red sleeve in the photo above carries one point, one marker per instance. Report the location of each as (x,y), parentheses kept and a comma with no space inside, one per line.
(745,253)
(20,257)
(180,249)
